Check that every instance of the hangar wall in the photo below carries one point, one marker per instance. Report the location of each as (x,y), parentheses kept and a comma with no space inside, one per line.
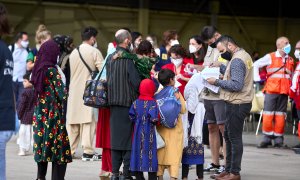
(252,33)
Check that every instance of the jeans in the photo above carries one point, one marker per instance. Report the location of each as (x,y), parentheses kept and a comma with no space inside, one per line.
(235,115)
(4,138)
(18,89)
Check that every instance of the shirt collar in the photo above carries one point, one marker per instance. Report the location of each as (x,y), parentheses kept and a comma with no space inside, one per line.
(277,54)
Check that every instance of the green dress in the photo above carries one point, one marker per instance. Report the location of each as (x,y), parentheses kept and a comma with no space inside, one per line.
(51,142)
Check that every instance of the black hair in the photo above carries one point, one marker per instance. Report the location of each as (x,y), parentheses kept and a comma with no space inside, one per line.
(27,75)
(88,32)
(4,24)
(135,35)
(225,39)
(179,50)
(20,35)
(202,52)
(208,32)
(164,76)
(144,48)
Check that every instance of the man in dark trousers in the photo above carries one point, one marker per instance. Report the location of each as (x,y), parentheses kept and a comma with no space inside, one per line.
(237,91)
(123,83)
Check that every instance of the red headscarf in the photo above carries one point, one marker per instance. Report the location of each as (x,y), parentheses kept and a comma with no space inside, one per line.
(147,90)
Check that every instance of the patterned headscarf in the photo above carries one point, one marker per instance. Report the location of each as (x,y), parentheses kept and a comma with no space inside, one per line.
(46,58)
(64,43)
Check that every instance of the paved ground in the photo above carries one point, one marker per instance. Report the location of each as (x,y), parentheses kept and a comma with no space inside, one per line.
(257,164)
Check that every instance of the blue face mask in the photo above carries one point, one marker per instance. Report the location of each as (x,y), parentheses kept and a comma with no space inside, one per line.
(287,49)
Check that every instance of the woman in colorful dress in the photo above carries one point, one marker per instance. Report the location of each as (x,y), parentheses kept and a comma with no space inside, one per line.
(51,142)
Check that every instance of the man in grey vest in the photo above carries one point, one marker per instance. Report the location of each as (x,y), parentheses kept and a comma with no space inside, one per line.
(237,91)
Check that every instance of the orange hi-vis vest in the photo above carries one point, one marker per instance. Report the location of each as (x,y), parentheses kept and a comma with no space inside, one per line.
(279,75)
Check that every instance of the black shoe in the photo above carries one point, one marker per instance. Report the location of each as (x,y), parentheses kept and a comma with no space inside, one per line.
(264,145)
(211,168)
(296,147)
(122,177)
(114,177)
(280,145)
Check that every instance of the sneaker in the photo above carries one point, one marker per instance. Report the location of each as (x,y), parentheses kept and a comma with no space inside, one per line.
(97,157)
(22,152)
(87,157)
(211,168)
(221,169)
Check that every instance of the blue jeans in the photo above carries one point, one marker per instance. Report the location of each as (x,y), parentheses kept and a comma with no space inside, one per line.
(4,138)
(235,116)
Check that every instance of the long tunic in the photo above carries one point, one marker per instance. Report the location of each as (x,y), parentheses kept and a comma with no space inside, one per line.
(51,142)
(171,154)
(144,151)
(77,112)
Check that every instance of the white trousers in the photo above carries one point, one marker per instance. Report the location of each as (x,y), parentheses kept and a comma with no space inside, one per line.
(25,139)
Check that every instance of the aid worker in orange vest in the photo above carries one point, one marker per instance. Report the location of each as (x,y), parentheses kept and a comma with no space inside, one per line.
(279,72)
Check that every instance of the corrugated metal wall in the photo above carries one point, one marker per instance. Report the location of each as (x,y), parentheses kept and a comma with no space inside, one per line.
(256,33)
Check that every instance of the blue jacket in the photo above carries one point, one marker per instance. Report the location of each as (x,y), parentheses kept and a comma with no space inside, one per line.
(163,59)
(7,105)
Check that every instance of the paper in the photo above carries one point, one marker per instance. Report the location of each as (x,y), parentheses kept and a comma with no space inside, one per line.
(213,88)
(209,72)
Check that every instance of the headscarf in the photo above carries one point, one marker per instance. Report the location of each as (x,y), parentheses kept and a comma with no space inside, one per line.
(46,58)
(147,90)
(64,43)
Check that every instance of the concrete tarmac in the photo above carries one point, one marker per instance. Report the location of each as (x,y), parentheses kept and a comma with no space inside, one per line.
(257,164)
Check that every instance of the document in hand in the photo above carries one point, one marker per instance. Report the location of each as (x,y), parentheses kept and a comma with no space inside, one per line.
(210,72)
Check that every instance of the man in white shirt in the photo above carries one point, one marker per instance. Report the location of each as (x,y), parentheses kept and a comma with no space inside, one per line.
(19,52)
(279,70)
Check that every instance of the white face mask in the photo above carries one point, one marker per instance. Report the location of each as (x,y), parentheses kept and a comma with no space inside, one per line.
(95,44)
(297,53)
(192,49)
(177,62)
(174,42)
(24,44)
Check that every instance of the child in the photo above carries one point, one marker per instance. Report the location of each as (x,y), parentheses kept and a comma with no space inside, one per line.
(144,59)
(25,114)
(169,157)
(144,114)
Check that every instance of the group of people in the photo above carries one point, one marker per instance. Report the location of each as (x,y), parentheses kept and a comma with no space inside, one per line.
(159,102)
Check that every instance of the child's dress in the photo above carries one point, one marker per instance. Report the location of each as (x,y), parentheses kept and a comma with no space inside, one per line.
(169,157)
(144,114)
(144,151)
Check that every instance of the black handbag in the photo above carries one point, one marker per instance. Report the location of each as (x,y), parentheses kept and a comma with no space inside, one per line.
(95,92)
